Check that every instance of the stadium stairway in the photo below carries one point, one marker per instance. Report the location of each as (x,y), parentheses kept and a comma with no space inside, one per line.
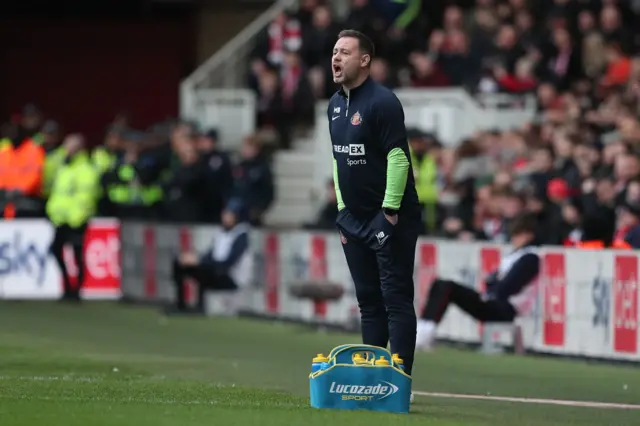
(297,201)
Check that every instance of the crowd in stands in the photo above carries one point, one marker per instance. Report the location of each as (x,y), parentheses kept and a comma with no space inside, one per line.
(575,165)
(172,172)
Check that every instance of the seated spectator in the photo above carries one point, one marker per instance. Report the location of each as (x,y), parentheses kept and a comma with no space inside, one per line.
(426,73)
(522,81)
(270,104)
(505,286)
(253,185)
(618,68)
(381,73)
(628,228)
(225,266)
(319,38)
(297,96)
(572,223)
(282,34)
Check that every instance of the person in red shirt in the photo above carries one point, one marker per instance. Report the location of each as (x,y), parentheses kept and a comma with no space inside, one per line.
(522,81)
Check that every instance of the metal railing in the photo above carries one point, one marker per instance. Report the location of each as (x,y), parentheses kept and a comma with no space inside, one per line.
(227,68)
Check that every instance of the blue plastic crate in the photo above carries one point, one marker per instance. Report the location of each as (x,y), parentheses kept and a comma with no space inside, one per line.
(345,385)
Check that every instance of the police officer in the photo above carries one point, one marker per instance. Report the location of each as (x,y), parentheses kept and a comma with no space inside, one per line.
(130,192)
(379,213)
(71,205)
(106,157)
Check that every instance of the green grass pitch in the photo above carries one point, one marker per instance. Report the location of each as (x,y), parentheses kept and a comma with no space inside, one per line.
(105,364)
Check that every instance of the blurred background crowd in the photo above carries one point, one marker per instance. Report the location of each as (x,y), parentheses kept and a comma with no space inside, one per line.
(173,172)
(576,164)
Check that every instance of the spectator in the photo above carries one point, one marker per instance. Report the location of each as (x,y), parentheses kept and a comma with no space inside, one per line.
(319,38)
(253,184)
(297,97)
(511,205)
(563,62)
(217,176)
(381,73)
(571,227)
(426,73)
(618,68)
(627,226)
(186,189)
(507,50)
(283,34)
(270,104)
(461,68)
(522,81)
(226,266)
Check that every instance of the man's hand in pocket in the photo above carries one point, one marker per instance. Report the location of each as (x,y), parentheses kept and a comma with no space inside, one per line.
(391,219)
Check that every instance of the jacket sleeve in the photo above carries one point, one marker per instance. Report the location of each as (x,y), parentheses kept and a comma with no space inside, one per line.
(238,248)
(392,132)
(523,272)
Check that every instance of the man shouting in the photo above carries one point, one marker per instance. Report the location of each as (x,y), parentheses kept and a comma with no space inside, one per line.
(379,214)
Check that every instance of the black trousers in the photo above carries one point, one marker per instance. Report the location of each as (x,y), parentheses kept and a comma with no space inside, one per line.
(74,238)
(445,292)
(205,276)
(381,257)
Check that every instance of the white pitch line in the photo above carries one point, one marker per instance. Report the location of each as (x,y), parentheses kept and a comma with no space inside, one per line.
(566,403)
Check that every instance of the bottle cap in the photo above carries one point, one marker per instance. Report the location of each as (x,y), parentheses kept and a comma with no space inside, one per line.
(320,358)
(396,358)
(382,361)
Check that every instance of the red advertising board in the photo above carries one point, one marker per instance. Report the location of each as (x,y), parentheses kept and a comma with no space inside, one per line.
(427,271)
(625,304)
(489,263)
(272,272)
(318,268)
(190,285)
(554,282)
(101,258)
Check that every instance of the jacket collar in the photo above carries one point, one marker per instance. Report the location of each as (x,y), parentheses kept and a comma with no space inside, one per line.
(355,90)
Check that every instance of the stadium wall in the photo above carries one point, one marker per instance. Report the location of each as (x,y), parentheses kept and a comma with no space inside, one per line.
(584,304)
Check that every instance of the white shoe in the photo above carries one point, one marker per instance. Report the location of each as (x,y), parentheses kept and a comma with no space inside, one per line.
(426,335)
(411,399)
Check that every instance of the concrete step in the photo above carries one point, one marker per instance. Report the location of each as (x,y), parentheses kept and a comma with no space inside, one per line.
(287,214)
(293,164)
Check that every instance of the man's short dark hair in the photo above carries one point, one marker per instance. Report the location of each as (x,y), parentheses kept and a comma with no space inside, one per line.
(364,43)
(525,223)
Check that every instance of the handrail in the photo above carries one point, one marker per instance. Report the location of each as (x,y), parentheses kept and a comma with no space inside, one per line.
(236,43)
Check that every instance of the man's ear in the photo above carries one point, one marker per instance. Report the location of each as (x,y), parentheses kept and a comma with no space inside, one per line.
(365,60)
